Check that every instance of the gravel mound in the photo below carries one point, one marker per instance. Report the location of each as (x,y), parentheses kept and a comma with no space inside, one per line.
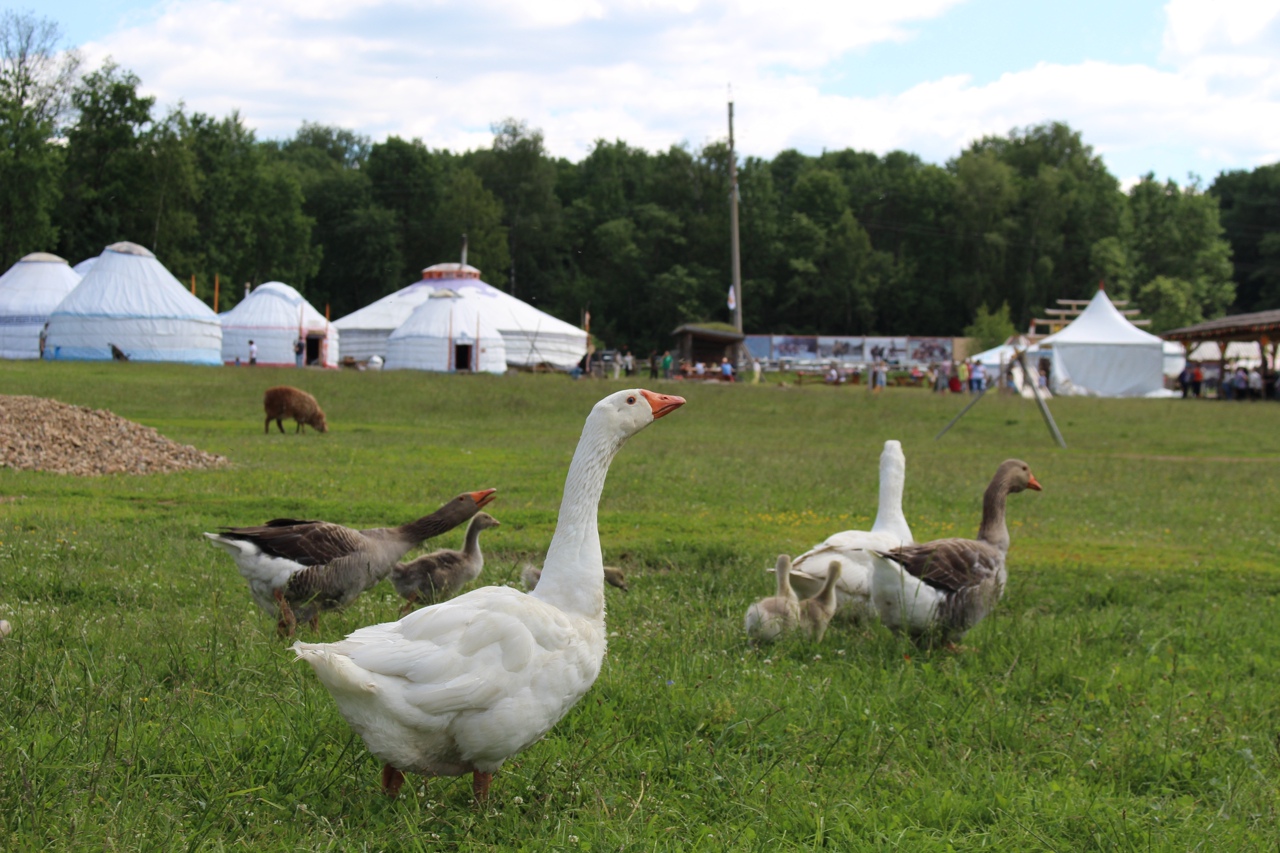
(44,435)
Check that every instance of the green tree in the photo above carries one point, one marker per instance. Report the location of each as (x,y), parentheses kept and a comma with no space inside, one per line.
(35,86)
(991,328)
(410,180)
(107,165)
(468,208)
(1250,217)
(250,221)
(1177,235)
(357,239)
(1170,303)
(517,170)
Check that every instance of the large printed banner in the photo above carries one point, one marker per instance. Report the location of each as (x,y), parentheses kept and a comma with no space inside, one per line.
(824,349)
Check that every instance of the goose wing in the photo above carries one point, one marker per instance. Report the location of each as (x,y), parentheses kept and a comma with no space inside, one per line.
(475,651)
(948,564)
(307,543)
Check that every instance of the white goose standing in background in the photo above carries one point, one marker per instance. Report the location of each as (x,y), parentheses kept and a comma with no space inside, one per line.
(853,549)
(941,589)
(461,686)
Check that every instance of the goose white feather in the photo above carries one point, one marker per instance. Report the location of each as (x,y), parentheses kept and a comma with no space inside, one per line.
(461,686)
(854,550)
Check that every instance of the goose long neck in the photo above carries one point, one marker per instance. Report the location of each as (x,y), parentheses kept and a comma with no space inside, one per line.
(783,570)
(573,574)
(889,517)
(428,527)
(472,545)
(993,529)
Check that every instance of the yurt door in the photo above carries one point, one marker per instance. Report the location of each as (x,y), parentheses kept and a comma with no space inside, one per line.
(462,356)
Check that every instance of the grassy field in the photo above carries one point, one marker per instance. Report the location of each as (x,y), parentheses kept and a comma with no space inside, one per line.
(1125,695)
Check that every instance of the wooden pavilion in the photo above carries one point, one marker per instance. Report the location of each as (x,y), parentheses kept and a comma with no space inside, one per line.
(707,343)
(1262,327)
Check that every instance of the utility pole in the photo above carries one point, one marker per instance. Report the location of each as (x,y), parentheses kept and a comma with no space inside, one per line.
(735,251)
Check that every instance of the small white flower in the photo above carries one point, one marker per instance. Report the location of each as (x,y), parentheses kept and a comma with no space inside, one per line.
(519,801)
(573,839)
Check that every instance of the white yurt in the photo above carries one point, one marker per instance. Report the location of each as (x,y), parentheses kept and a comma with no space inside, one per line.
(82,268)
(531,337)
(447,333)
(274,316)
(1101,354)
(130,301)
(29,292)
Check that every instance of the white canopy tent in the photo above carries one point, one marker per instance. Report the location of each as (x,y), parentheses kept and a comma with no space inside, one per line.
(274,316)
(531,337)
(29,292)
(131,301)
(1102,354)
(447,333)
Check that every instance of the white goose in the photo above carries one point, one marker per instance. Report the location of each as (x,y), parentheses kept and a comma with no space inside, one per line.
(461,686)
(852,549)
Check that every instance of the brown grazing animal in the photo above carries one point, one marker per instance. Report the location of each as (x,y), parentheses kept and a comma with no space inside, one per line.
(284,401)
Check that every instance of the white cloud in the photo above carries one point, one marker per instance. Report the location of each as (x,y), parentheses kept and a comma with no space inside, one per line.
(655,73)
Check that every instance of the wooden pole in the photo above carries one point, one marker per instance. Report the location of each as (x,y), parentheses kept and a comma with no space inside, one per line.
(972,403)
(193,284)
(735,250)
(215,293)
(1034,379)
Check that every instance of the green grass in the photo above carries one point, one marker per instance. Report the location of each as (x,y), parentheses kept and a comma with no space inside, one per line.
(1124,695)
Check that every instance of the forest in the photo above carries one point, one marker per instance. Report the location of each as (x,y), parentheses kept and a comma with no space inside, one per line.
(843,242)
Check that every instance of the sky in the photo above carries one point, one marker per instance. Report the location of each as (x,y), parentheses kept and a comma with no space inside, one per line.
(1179,88)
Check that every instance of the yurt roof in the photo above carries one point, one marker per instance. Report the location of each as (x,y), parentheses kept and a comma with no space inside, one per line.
(447,315)
(507,313)
(128,281)
(33,287)
(274,305)
(1100,323)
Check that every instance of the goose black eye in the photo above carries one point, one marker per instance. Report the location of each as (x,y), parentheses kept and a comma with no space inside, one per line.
(631,401)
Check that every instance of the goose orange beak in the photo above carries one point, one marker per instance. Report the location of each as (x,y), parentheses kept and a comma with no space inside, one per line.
(662,404)
(483,497)
(1033,483)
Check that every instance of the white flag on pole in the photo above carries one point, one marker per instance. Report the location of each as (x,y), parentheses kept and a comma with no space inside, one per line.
(733,299)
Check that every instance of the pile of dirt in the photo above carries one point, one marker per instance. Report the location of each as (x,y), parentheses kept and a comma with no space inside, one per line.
(44,435)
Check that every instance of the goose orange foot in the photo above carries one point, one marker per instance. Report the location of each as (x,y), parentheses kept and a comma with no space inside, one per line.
(480,782)
(287,624)
(392,779)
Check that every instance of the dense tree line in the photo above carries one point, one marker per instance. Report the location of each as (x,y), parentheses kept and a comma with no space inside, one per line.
(845,242)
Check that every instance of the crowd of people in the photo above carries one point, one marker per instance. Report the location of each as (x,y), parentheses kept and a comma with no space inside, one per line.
(1242,383)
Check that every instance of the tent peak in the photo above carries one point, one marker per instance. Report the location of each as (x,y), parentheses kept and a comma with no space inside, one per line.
(43,258)
(450,270)
(124,247)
